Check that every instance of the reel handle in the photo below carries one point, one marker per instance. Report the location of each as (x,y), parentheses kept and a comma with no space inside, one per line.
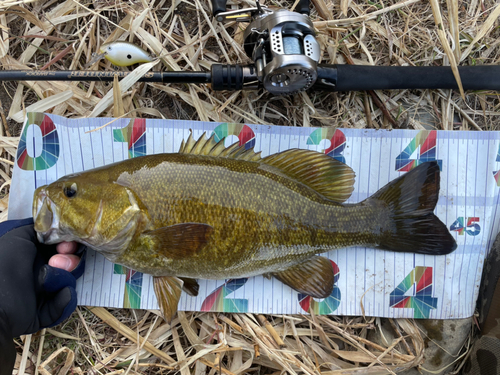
(303,7)
(362,77)
(218,6)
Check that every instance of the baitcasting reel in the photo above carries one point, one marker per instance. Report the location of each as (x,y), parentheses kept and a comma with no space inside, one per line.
(282,45)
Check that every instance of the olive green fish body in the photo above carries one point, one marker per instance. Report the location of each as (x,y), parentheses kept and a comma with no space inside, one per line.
(262,221)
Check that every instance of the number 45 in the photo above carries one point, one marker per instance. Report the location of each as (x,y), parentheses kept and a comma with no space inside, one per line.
(472,228)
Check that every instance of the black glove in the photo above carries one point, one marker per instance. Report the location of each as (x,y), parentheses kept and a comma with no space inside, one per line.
(33,295)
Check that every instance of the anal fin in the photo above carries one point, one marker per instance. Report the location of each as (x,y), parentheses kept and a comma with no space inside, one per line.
(168,292)
(190,286)
(313,277)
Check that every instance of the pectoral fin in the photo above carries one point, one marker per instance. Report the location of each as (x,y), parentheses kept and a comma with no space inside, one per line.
(190,286)
(168,292)
(180,241)
(313,277)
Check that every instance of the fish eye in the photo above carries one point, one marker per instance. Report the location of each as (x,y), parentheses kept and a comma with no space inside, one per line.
(70,191)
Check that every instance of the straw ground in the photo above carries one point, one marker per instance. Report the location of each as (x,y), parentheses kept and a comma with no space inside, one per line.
(55,35)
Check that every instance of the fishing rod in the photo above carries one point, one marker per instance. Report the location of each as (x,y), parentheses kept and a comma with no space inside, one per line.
(328,77)
(283,46)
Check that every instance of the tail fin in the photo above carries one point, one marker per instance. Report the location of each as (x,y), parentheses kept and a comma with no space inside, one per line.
(411,200)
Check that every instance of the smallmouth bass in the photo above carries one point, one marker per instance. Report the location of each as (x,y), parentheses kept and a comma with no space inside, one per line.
(211,212)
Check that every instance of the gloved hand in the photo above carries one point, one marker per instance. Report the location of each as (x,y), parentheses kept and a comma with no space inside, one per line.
(33,295)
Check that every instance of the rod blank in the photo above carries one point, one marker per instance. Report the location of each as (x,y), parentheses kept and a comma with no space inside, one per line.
(104,76)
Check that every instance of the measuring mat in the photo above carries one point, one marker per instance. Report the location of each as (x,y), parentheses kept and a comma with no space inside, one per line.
(367,281)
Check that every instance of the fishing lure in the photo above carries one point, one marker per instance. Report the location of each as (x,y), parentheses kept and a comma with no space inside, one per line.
(122,54)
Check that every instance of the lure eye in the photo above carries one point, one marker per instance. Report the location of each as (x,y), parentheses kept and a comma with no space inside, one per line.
(70,191)
(129,57)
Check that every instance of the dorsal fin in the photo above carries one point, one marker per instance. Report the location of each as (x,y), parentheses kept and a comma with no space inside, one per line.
(329,177)
(209,147)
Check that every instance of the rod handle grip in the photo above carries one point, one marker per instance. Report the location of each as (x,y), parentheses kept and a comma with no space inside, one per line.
(364,77)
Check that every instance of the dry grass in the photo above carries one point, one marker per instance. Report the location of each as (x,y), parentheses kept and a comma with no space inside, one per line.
(56,35)
(119,341)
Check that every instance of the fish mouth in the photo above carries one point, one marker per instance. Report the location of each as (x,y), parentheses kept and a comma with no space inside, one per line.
(46,217)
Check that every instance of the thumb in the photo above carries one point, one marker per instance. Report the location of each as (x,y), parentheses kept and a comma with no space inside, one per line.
(57,307)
